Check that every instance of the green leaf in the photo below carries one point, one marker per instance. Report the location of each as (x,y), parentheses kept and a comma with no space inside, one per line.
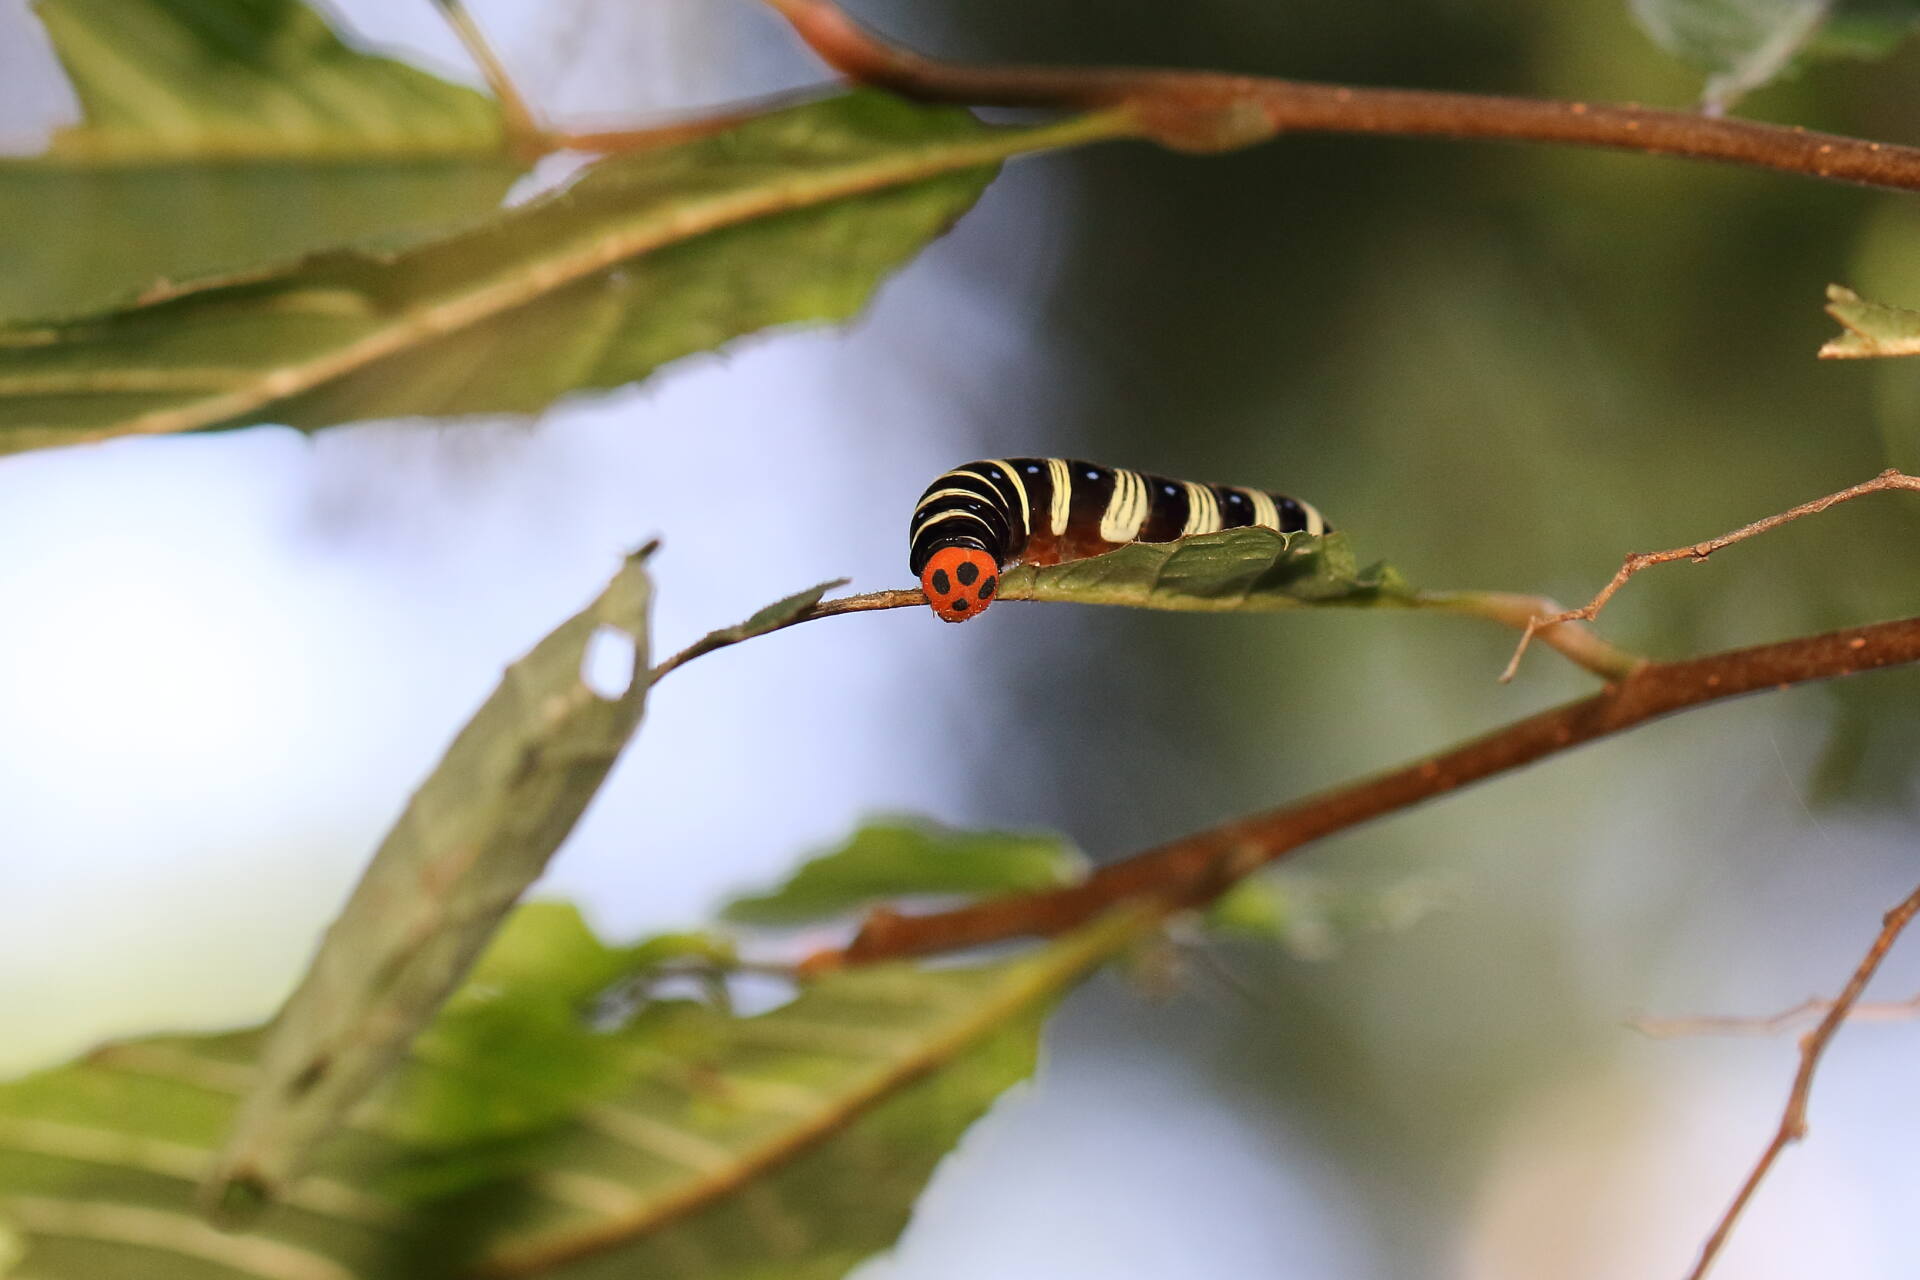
(793,217)
(896,859)
(1250,569)
(1742,43)
(224,134)
(512,1051)
(1746,44)
(791,1144)
(478,831)
(1872,329)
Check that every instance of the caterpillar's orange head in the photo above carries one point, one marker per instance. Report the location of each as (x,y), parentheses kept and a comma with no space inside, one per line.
(960,582)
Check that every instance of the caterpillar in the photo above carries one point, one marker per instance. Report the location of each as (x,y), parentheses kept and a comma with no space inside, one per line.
(984,517)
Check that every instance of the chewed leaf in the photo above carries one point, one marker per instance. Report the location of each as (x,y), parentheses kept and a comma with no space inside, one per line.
(475,835)
(478,831)
(792,1143)
(793,217)
(1872,329)
(889,860)
(1252,569)
(226,134)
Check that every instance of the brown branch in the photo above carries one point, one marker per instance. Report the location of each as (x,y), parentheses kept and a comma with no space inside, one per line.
(1212,111)
(1793,1120)
(1697,552)
(1193,871)
(1773,1024)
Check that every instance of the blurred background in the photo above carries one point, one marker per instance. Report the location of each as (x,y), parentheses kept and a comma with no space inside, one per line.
(225,661)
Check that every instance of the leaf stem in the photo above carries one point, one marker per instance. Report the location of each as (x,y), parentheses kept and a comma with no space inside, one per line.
(1578,644)
(1213,111)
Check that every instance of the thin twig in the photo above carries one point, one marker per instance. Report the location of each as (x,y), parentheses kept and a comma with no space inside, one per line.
(1773,1024)
(1793,1120)
(1576,643)
(1697,552)
(825,609)
(525,136)
(1211,111)
(1194,870)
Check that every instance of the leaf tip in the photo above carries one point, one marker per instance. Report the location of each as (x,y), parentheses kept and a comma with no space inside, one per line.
(1873,329)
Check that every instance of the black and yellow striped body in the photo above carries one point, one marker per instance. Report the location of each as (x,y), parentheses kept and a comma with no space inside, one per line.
(985,516)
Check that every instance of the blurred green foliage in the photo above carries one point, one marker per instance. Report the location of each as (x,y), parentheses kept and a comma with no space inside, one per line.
(892,859)
(218,136)
(518,1139)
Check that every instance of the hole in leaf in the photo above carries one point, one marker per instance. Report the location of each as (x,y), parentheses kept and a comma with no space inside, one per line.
(607,665)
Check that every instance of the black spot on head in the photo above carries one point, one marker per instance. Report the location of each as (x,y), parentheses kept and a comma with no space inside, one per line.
(940,581)
(959,606)
(986,589)
(967,571)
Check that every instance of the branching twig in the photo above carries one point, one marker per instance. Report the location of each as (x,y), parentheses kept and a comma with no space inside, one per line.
(1793,1121)
(1195,870)
(1697,552)
(529,139)
(1577,644)
(1772,1024)
(1211,111)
